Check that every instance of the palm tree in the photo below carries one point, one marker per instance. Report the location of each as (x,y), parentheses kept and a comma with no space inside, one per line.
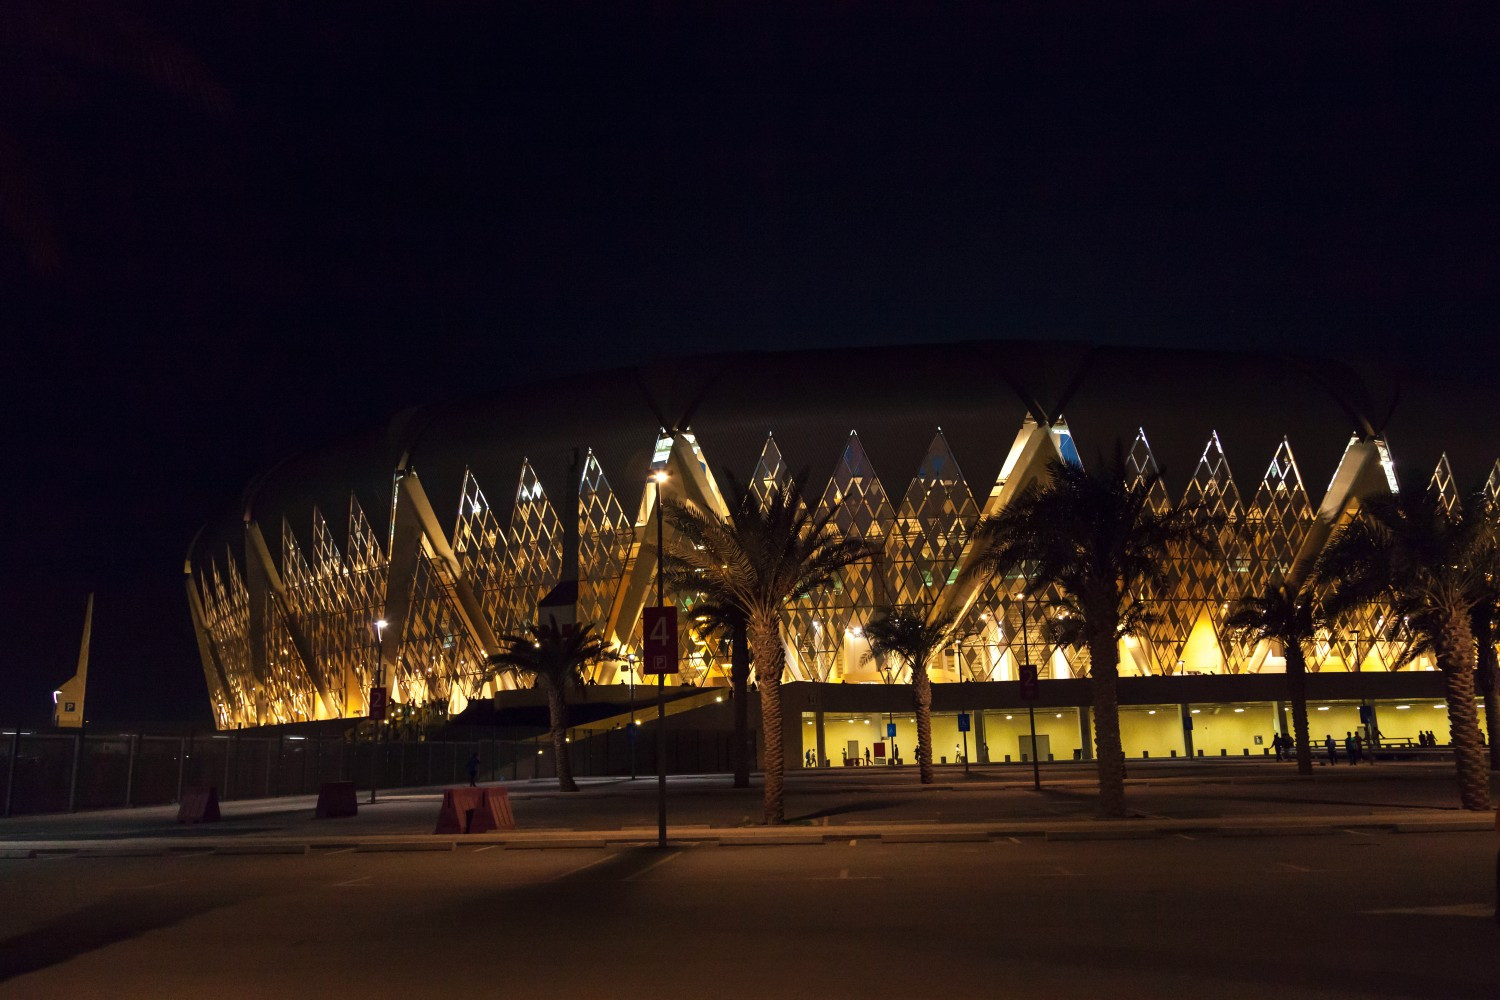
(765,553)
(1483,619)
(555,656)
(728,621)
(905,631)
(1101,540)
(1431,568)
(1283,614)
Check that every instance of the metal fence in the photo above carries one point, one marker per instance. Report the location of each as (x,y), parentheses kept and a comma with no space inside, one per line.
(57,772)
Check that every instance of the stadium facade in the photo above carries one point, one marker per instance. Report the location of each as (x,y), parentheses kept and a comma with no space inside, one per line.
(349,566)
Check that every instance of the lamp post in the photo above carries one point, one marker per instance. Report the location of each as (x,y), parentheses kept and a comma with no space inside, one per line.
(633,731)
(659,477)
(380,624)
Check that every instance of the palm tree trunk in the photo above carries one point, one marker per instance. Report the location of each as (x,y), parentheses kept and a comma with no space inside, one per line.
(557,710)
(1455,657)
(1296,686)
(1104,670)
(769,660)
(1485,639)
(921,686)
(739,682)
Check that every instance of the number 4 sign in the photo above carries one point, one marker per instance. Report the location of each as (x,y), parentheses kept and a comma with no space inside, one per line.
(659,627)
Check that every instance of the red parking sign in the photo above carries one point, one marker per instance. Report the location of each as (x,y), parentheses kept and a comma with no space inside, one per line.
(1028,681)
(377,702)
(659,631)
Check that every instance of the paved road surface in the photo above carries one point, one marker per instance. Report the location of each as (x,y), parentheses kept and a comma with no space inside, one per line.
(1339,915)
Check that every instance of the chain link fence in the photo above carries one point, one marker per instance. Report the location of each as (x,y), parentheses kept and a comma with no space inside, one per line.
(58,772)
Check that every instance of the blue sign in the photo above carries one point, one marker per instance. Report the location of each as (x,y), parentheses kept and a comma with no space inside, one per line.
(963,722)
(890,729)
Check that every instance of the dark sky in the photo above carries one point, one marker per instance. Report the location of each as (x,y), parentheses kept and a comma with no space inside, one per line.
(238,230)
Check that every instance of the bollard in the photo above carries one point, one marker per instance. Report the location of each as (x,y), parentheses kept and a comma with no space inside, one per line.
(182,745)
(271,761)
(130,767)
(228,753)
(73,779)
(10,772)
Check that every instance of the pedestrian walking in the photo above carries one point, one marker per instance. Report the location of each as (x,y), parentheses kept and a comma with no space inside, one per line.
(1332,748)
(473,770)
(1349,748)
(1359,748)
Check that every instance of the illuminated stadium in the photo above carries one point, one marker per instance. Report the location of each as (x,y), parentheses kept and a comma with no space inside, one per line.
(399,556)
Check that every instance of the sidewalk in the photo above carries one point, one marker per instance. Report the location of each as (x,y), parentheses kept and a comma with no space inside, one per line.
(829,806)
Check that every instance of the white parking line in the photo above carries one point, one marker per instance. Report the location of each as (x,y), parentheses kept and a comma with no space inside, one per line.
(575,870)
(1185,836)
(1291,867)
(1484,910)
(652,866)
(486,847)
(158,885)
(354,882)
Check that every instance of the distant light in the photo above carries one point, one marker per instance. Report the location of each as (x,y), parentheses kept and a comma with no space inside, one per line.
(539,753)
(719,698)
(56,695)
(1322,708)
(1059,715)
(856,631)
(1150,711)
(1444,705)
(1197,710)
(1008,716)
(1239,710)
(659,476)
(1403,706)
(380,623)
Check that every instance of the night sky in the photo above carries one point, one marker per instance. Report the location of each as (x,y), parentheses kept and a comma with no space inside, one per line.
(234,231)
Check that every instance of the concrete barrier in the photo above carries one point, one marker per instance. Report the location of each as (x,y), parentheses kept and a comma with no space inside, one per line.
(336,800)
(199,805)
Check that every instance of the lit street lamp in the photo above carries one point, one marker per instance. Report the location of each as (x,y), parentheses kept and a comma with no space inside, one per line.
(659,477)
(378,704)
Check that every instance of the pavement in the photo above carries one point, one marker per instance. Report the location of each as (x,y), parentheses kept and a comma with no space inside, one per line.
(1249,799)
(1229,881)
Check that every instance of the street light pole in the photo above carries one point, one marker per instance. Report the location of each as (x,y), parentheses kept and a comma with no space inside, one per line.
(660,477)
(634,730)
(375,744)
